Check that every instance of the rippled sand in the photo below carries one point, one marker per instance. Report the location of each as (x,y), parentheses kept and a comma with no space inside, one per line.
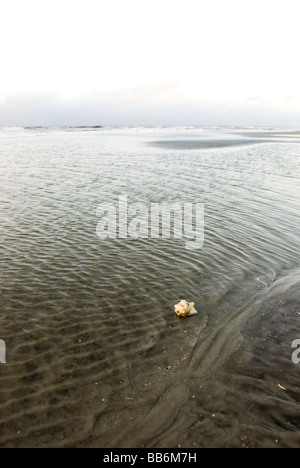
(95,355)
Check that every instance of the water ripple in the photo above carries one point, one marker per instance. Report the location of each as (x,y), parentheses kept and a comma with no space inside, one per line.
(95,355)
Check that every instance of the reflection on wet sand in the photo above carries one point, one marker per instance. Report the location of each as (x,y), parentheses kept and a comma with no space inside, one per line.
(96,356)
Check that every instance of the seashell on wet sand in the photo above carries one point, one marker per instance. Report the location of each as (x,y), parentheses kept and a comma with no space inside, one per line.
(185,309)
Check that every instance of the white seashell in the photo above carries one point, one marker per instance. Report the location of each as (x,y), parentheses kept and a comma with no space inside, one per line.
(185,309)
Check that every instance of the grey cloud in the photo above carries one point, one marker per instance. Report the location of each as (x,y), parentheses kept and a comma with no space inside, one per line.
(137,107)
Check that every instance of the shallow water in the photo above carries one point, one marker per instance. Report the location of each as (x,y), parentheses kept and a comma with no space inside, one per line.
(95,355)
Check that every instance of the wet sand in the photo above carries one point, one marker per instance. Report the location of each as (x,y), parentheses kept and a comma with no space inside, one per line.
(205,143)
(271,134)
(95,354)
(264,368)
(243,387)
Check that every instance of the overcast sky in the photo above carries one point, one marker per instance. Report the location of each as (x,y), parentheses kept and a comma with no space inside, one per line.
(112,62)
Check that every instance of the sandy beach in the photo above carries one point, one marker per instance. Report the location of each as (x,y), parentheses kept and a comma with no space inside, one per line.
(96,356)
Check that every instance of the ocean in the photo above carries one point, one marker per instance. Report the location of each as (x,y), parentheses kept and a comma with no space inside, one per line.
(95,356)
